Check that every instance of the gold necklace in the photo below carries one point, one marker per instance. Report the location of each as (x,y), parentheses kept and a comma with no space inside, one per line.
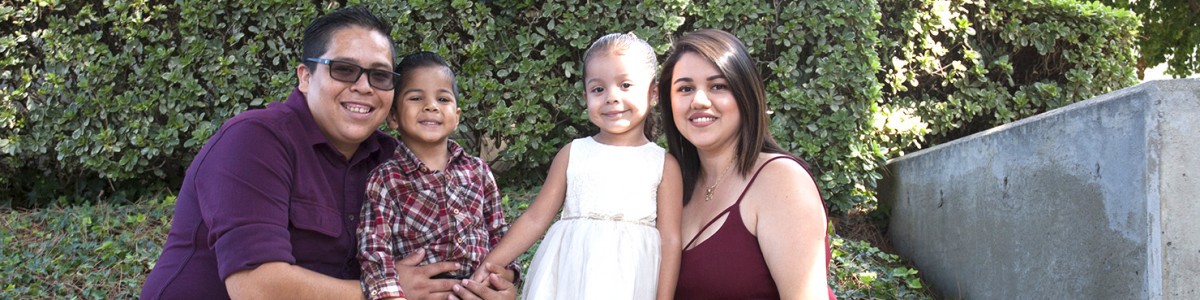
(709,192)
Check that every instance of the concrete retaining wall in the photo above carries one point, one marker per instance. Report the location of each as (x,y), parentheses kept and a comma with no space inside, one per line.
(1096,200)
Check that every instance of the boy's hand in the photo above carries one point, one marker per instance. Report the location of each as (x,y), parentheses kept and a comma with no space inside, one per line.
(501,271)
(495,288)
(486,268)
(416,280)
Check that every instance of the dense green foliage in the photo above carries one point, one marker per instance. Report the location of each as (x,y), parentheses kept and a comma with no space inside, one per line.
(1169,33)
(98,251)
(104,251)
(116,98)
(110,100)
(959,67)
(861,271)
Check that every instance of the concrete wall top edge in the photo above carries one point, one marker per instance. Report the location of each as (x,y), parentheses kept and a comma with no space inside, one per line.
(1149,87)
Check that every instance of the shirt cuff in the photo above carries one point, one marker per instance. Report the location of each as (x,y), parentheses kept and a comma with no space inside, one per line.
(383,289)
(249,246)
(516,273)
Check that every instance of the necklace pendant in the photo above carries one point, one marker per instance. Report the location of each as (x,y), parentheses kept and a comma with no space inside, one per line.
(708,193)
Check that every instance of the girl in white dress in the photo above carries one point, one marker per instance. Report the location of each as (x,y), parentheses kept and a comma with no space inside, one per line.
(620,194)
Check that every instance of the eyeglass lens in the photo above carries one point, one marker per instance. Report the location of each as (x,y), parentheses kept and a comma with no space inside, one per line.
(349,72)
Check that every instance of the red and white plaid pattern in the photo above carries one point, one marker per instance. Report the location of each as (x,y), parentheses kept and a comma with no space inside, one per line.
(454,214)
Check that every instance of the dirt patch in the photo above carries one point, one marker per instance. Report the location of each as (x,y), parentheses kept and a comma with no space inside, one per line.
(858,225)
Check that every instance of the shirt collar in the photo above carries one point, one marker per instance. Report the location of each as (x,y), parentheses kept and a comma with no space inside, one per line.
(376,143)
(409,163)
(370,147)
(312,133)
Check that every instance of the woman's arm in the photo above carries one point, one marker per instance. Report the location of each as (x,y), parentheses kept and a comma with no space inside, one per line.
(790,226)
(670,207)
(528,228)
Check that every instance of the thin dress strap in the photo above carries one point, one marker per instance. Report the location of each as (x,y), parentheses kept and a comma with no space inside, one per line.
(735,203)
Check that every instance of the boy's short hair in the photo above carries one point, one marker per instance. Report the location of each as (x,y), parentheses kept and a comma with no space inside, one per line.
(419,60)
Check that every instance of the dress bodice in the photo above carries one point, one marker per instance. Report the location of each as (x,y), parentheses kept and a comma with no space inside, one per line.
(606,245)
(613,182)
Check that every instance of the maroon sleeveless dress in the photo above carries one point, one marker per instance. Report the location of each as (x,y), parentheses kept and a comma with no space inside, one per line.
(730,264)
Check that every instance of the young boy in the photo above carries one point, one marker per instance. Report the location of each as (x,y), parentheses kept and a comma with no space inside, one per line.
(431,195)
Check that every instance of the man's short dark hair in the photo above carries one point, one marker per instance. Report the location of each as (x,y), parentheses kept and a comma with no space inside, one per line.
(316,36)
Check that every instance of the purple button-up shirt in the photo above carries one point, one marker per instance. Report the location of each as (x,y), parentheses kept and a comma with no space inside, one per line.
(267,187)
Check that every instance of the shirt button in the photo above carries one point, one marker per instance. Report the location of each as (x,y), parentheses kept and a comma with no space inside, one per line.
(424,169)
(456,211)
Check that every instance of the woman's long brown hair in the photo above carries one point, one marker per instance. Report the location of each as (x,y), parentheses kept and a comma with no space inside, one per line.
(730,57)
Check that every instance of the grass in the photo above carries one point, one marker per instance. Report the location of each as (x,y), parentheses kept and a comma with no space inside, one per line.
(105,251)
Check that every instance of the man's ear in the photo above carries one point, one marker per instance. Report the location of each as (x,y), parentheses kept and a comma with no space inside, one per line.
(303,74)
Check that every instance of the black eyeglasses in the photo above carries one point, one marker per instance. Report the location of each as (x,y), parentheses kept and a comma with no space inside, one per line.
(347,72)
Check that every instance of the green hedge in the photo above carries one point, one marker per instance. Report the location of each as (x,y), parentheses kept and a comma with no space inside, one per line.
(108,99)
(964,66)
(114,98)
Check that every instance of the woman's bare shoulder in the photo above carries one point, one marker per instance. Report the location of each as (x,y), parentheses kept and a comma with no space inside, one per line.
(785,183)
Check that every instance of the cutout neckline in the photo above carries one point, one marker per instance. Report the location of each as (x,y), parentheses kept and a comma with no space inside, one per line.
(728,210)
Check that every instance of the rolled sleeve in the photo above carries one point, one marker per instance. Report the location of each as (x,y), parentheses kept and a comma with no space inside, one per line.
(247,247)
(376,236)
(498,226)
(383,289)
(243,187)
(493,207)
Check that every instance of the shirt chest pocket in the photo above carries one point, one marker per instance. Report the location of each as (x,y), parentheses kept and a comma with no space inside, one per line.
(465,204)
(466,216)
(316,218)
(427,215)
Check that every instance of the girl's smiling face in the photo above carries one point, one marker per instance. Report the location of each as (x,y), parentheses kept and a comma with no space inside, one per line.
(618,89)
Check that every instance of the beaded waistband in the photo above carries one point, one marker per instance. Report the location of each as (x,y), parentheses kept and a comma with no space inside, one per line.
(646,221)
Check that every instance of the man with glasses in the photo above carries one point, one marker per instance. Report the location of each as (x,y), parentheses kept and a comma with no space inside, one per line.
(269,206)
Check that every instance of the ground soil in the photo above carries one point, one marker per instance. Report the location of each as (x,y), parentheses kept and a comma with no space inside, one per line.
(857,225)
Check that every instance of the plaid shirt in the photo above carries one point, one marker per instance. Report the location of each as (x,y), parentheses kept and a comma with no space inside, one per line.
(454,214)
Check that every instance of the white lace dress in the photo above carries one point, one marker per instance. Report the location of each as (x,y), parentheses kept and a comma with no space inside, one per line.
(606,245)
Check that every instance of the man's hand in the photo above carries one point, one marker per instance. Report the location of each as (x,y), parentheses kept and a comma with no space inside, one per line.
(496,288)
(416,280)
